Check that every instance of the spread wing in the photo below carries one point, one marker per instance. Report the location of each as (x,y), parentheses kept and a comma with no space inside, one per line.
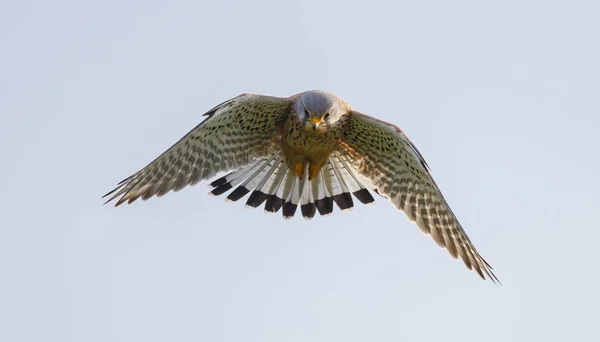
(233,134)
(382,153)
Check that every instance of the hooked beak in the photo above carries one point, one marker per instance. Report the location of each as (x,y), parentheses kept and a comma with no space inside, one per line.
(315,121)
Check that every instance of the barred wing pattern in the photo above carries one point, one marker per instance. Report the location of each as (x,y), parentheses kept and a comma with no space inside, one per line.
(380,152)
(234,134)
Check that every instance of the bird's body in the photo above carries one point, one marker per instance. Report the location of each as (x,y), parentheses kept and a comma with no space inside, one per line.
(309,150)
(306,144)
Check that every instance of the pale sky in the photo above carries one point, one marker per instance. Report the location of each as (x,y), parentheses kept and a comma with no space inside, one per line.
(500,97)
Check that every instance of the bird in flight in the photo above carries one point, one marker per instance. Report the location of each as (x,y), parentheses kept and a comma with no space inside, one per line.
(310,150)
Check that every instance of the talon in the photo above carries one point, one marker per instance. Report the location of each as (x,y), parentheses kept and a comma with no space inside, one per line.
(300,169)
(314,170)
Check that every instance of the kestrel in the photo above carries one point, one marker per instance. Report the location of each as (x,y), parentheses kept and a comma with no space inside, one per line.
(309,150)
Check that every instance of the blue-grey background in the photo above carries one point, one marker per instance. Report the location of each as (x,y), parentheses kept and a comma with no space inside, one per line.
(501,97)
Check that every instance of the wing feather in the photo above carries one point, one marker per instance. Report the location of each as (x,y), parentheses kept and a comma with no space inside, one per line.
(382,153)
(234,133)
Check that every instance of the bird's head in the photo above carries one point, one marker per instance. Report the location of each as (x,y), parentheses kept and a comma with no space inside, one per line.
(318,110)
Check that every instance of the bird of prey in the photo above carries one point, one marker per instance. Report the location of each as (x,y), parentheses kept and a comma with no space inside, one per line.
(309,150)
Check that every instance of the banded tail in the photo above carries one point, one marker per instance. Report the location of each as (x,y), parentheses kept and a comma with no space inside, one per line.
(273,184)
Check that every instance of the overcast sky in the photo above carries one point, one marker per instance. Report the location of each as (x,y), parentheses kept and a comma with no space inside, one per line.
(500,97)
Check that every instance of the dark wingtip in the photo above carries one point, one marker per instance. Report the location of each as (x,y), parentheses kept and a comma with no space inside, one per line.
(112,198)
(120,186)
(111,192)
(492,276)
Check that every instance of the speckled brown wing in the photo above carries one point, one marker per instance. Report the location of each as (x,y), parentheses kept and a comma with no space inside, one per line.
(382,153)
(234,133)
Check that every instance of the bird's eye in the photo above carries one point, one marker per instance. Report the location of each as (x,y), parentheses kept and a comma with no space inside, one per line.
(306,113)
(326,116)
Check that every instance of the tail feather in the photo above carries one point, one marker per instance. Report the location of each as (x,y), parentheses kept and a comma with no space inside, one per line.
(358,189)
(343,200)
(324,199)
(279,197)
(259,174)
(227,182)
(330,180)
(268,185)
(271,182)
(307,204)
